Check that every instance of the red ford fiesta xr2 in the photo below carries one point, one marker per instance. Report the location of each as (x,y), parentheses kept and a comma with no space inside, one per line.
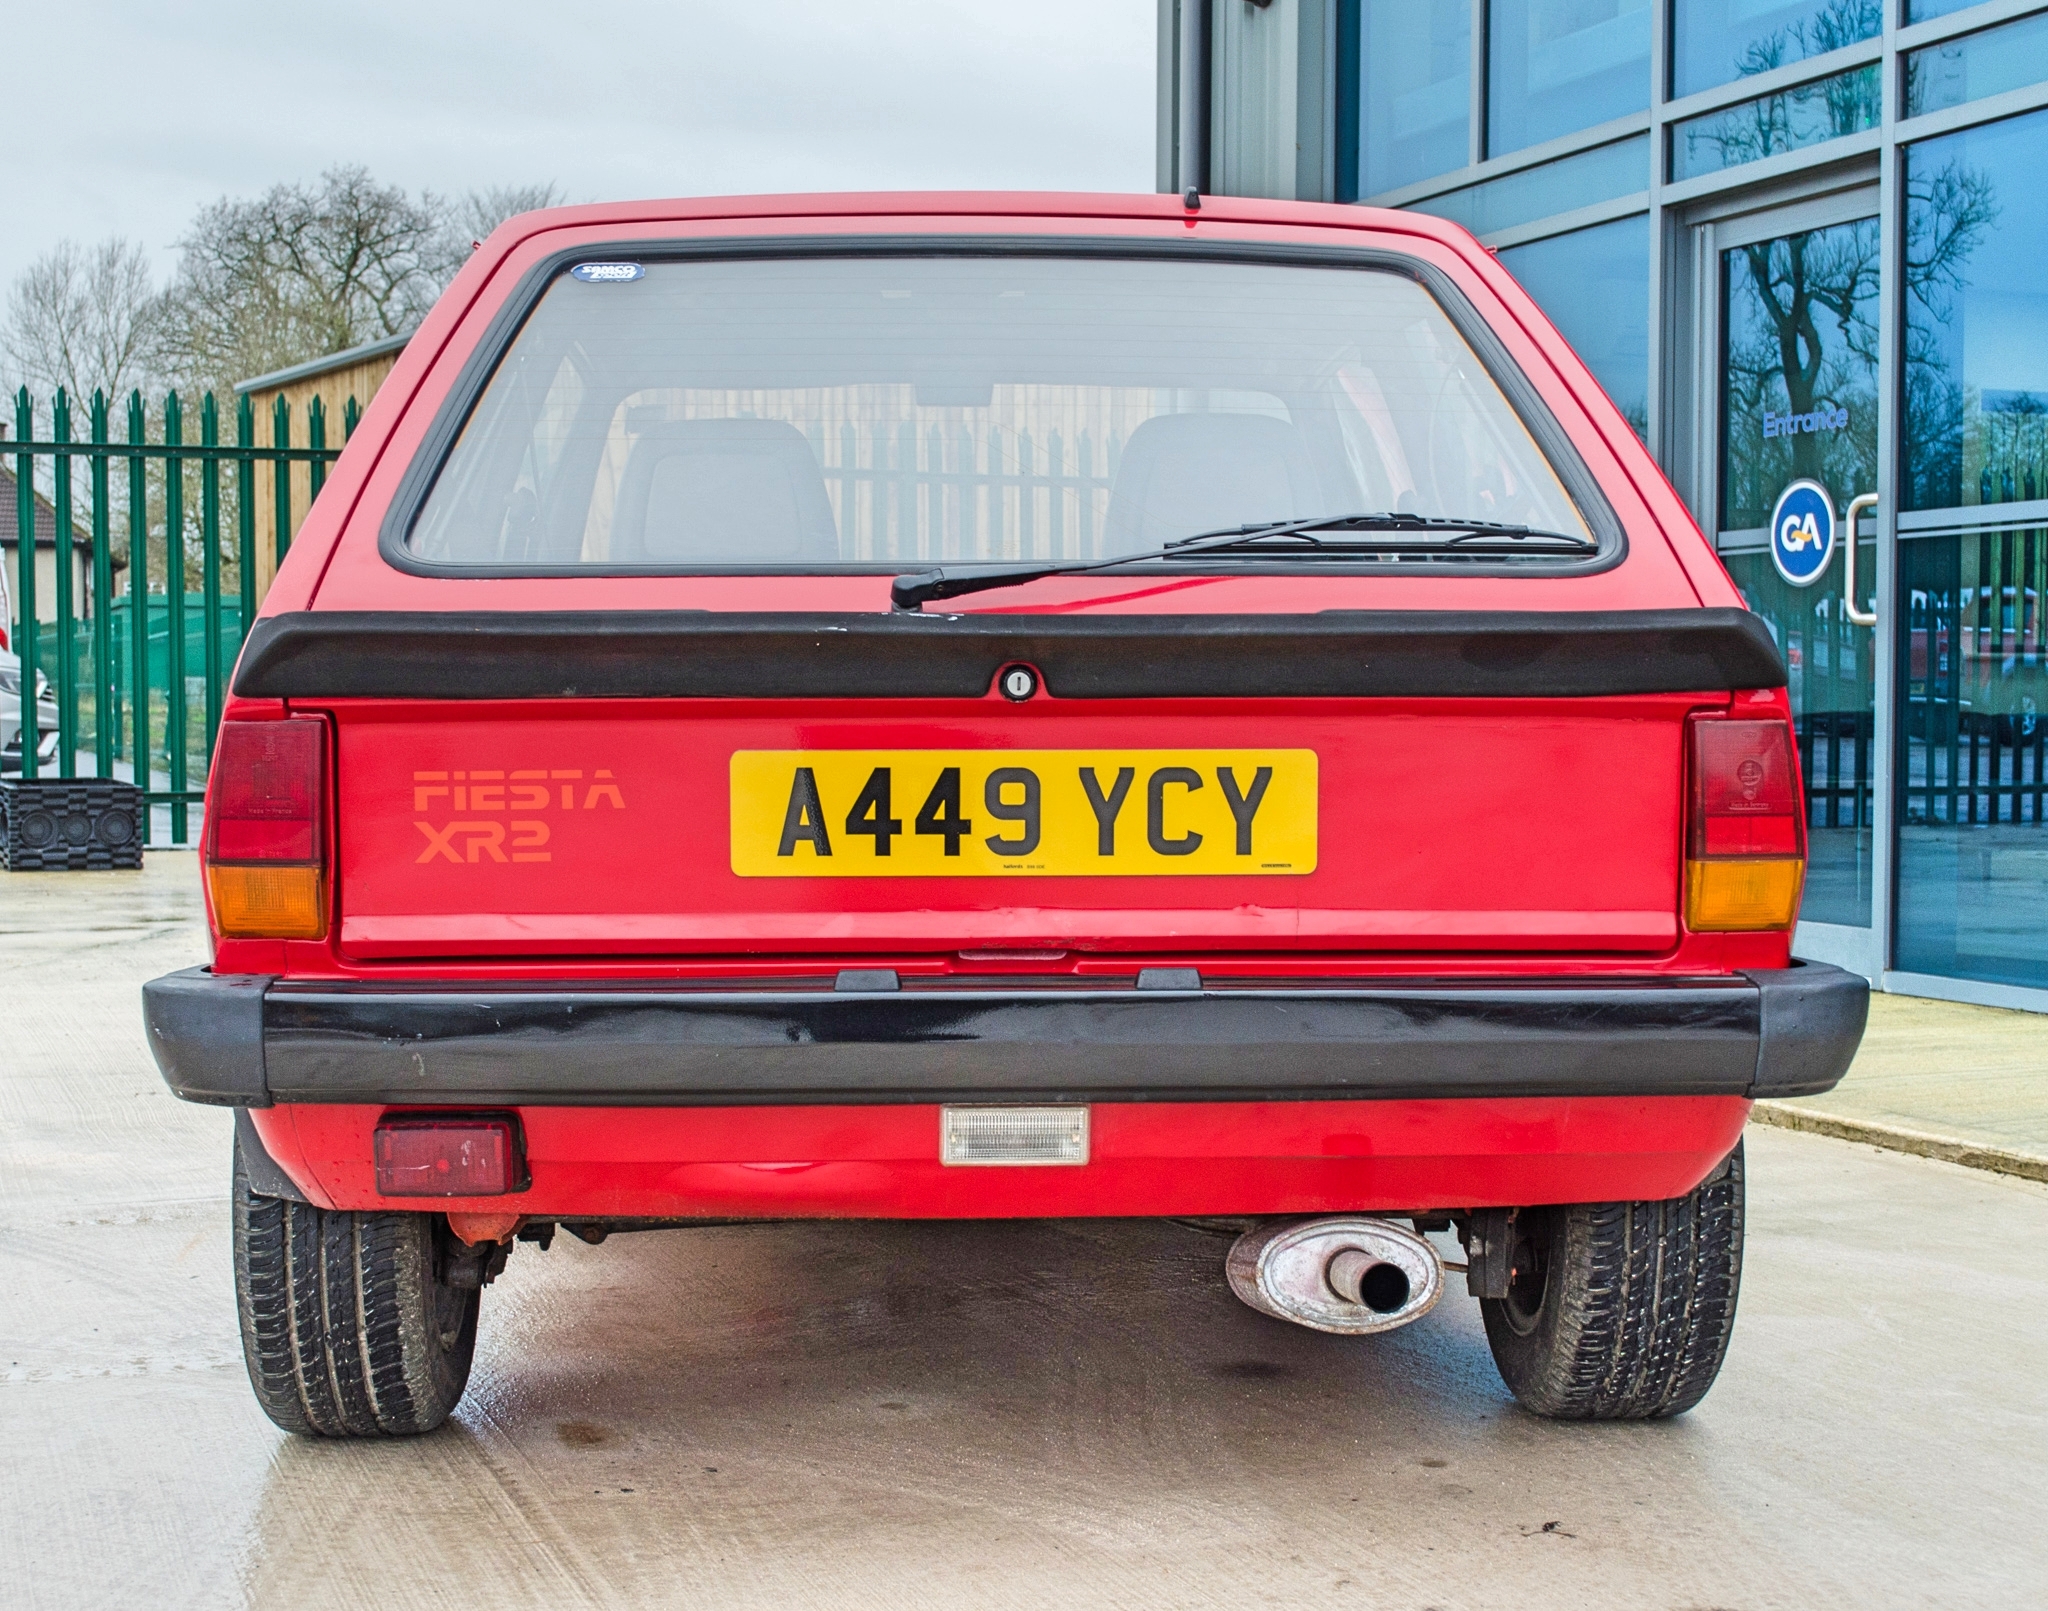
(966,706)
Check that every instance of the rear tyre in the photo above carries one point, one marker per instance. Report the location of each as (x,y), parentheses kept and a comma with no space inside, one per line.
(350,1327)
(1621,1311)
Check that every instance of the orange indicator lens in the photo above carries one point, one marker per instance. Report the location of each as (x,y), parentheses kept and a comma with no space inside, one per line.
(281,903)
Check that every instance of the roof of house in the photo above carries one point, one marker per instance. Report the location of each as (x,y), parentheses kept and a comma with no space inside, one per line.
(322,366)
(46,518)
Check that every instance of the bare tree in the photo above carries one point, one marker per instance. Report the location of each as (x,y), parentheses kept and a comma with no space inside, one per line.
(1801,336)
(1835,24)
(303,271)
(307,270)
(1843,103)
(481,211)
(86,318)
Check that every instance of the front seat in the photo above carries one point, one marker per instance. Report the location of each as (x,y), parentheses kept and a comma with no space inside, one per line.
(729,492)
(1185,473)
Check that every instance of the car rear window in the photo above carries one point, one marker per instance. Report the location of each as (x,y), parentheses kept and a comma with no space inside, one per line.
(820,413)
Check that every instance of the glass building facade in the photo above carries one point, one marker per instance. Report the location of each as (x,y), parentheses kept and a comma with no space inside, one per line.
(1799,239)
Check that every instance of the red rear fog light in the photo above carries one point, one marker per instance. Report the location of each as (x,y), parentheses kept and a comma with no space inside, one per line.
(428,1156)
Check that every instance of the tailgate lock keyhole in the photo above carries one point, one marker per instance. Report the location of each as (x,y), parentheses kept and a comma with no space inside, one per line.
(1018,683)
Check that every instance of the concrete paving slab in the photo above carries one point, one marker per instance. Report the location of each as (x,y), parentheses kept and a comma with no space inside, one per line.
(1944,1079)
(1010,1414)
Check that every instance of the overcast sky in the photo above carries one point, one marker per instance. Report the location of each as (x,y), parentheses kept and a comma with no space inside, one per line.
(158,109)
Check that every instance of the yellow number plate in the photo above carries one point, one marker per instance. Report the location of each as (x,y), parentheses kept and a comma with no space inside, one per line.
(990,813)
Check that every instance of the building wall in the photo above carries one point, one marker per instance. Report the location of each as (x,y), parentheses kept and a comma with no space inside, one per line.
(46,581)
(1265,80)
(334,388)
(45,549)
(1674,181)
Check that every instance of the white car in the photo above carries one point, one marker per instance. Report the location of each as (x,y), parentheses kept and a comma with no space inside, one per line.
(10,715)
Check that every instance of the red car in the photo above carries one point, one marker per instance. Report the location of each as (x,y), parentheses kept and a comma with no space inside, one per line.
(1024,705)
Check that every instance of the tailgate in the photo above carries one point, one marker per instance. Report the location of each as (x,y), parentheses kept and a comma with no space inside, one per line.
(700,826)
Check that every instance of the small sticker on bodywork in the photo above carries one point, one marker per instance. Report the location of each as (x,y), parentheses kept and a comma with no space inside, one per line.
(605,273)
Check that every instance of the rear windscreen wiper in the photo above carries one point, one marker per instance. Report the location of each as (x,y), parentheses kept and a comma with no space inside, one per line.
(1320,537)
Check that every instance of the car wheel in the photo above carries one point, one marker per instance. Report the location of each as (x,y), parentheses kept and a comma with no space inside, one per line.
(351,1326)
(1621,1311)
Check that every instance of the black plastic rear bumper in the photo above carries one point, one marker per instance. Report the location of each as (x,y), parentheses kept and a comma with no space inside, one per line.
(249,1041)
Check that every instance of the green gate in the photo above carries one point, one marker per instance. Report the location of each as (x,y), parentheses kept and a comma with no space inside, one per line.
(137,691)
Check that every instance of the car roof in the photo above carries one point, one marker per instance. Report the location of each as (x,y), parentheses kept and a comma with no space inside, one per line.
(1687,571)
(1030,211)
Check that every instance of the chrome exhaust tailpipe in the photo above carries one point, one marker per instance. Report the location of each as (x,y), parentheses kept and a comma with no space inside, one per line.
(1349,1274)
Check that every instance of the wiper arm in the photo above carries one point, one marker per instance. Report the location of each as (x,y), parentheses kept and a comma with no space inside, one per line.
(912,591)
(909,592)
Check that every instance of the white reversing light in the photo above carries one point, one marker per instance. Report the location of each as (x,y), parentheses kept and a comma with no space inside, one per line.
(1013,1135)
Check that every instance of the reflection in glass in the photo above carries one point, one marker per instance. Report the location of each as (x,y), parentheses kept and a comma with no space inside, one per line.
(1829,664)
(1799,368)
(1826,109)
(808,412)
(1977,65)
(1716,41)
(1557,66)
(1973,757)
(1976,381)
(1405,94)
(1595,285)
(1607,171)
(1922,10)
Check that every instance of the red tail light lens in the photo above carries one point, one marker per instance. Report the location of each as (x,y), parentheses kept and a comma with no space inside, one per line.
(1745,793)
(1746,842)
(265,836)
(429,1156)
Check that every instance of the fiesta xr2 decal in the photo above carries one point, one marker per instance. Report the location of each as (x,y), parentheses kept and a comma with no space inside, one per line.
(471,837)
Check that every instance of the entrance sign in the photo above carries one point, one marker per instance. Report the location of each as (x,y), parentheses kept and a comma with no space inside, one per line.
(1803,532)
(1821,419)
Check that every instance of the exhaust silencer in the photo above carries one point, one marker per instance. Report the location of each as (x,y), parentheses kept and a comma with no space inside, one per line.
(1348,1274)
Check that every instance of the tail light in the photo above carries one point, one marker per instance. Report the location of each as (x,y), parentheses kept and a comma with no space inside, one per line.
(266,862)
(1745,859)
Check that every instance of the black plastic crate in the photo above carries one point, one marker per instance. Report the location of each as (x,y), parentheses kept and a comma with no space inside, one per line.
(70,825)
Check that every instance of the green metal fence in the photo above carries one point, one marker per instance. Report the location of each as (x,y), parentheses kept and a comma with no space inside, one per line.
(138,690)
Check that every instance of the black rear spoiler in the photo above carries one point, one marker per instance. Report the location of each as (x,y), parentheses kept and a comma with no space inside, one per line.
(701,654)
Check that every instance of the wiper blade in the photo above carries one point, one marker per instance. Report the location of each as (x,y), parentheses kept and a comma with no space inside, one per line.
(1432,534)
(1453,532)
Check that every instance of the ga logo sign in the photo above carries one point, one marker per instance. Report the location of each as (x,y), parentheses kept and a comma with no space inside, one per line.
(1803,532)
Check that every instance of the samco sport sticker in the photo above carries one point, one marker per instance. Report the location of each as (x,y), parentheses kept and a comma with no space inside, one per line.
(1006,813)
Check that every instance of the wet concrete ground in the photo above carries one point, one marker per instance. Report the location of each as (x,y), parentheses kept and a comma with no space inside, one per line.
(943,1415)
